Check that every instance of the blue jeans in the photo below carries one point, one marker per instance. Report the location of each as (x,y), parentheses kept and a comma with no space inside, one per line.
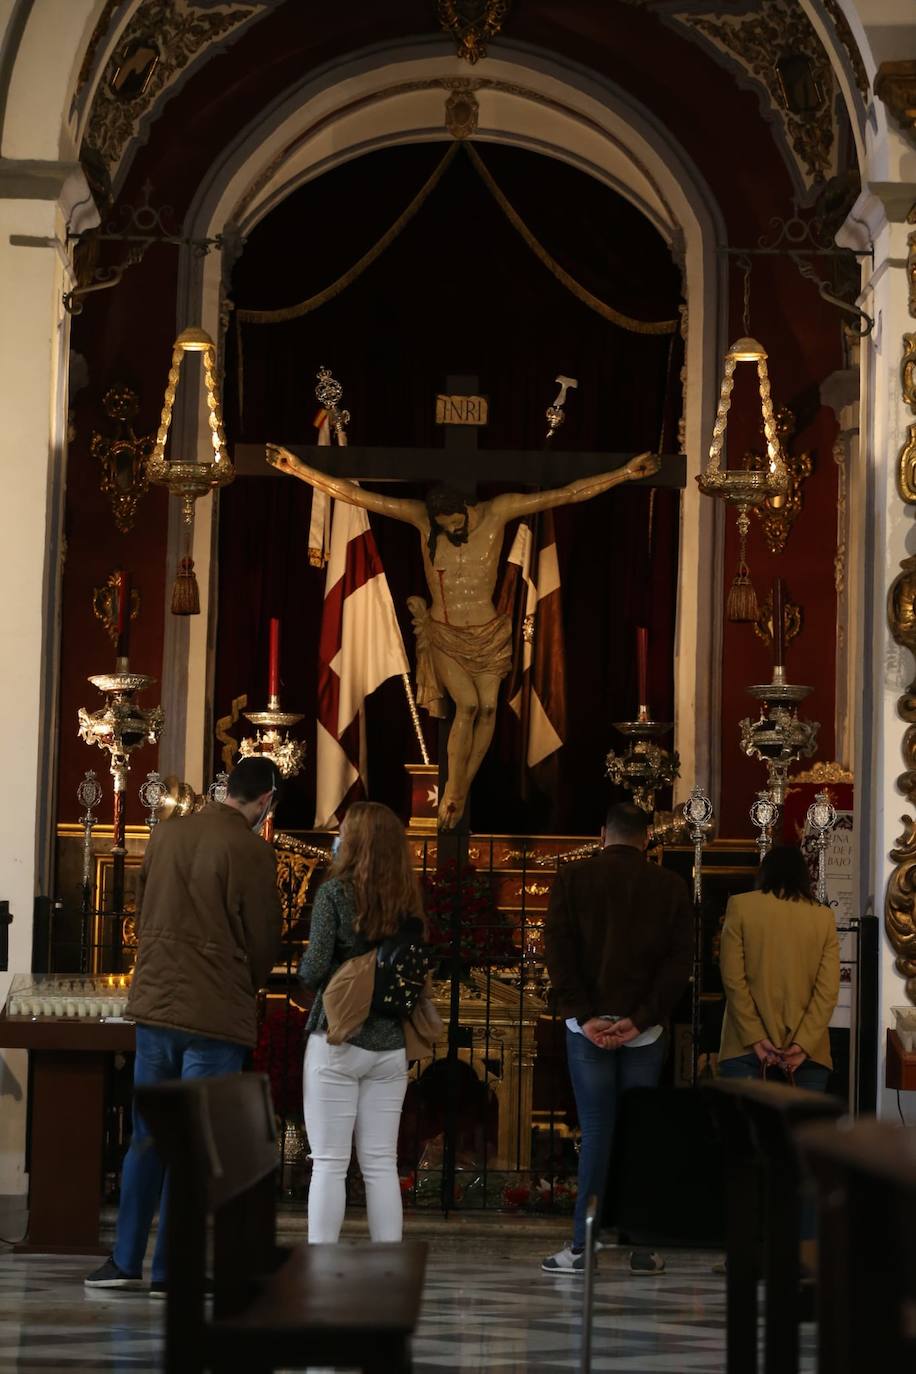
(813,1078)
(161,1055)
(599,1078)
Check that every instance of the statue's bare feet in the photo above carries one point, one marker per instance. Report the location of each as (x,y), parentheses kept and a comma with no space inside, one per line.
(451,809)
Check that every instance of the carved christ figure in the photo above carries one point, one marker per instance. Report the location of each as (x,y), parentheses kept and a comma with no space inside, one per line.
(463,646)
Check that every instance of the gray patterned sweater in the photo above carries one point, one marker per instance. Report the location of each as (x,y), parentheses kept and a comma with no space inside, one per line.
(332,940)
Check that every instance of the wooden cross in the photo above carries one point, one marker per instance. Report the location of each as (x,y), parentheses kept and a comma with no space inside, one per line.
(456,463)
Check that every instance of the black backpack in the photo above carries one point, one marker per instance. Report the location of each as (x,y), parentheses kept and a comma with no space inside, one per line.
(401,966)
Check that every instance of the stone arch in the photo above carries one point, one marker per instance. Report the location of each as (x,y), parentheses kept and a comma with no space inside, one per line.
(396,94)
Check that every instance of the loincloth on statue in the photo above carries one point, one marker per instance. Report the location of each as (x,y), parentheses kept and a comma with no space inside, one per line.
(478,649)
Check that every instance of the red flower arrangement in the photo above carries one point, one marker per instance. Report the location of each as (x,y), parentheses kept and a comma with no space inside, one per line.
(484,935)
(279,1054)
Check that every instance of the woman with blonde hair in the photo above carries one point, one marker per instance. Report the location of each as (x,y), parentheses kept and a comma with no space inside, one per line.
(357,1087)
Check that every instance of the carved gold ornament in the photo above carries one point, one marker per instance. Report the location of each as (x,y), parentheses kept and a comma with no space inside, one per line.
(779,512)
(462,110)
(900,899)
(123,456)
(161,40)
(778,49)
(822,772)
(895,84)
(105,605)
(791,620)
(472,23)
(189,479)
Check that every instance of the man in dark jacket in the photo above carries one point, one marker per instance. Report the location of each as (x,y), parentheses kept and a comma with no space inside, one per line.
(208,931)
(619,944)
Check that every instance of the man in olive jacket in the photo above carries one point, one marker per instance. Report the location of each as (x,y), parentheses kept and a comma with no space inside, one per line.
(619,946)
(208,930)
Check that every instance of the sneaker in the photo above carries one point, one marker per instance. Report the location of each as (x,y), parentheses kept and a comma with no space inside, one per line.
(643,1262)
(565,1261)
(108,1275)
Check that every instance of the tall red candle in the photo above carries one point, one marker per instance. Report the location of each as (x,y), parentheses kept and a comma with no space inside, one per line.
(779,648)
(642,657)
(273,682)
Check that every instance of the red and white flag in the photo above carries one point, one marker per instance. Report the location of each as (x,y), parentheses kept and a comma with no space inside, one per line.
(360,646)
(537,687)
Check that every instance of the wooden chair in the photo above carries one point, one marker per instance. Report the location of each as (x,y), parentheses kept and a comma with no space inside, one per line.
(866,1181)
(764,1173)
(350,1305)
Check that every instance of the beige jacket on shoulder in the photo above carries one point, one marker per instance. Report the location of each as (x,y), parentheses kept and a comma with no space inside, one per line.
(780,964)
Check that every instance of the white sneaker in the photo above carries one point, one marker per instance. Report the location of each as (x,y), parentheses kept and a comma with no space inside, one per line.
(565,1261)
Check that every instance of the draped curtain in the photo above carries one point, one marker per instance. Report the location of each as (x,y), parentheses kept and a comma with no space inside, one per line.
(459,292)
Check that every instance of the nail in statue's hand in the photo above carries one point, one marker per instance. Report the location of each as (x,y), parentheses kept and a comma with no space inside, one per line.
(646,465)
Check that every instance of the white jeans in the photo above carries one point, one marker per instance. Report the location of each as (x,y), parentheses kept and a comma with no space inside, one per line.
(346,1087)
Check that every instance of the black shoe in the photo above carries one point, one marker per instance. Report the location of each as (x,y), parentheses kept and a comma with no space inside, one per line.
(108,1275)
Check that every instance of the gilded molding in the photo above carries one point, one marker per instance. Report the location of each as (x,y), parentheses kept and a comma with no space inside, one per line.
(895,84)
(472,23)
(180,30)
(755,40)
(900,899)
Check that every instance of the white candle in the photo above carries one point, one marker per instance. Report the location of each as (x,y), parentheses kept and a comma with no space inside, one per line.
(13,1007)
(71,1008)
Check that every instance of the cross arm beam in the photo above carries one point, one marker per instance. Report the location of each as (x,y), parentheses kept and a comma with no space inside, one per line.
(534,467)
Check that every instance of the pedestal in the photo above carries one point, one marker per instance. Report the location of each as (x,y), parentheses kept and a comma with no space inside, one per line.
(68,1065)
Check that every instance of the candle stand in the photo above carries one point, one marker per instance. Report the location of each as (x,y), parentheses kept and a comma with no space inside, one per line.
(778,737)
(645,765)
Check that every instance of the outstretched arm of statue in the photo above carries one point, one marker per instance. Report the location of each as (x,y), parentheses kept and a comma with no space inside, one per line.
(516,503)
(414,512)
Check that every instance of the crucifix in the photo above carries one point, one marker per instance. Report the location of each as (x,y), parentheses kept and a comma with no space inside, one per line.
(463,645)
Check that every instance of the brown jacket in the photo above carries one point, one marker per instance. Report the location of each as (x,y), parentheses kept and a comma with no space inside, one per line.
(780,964)
(208,925)
(619,937)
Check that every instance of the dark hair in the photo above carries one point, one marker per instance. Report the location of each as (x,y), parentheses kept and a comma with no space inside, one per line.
(784,872)
(628,822)
(252,777)
(444,500)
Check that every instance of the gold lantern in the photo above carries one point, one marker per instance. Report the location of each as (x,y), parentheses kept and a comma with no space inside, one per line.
(742,487)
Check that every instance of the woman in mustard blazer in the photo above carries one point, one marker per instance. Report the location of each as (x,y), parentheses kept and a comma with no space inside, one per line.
(780,963)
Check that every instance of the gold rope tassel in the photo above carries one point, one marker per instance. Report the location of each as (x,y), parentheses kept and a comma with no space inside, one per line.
(741,605)
(185,591)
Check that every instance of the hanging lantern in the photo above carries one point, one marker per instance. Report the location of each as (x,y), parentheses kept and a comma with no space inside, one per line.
(189,479)
(742,487)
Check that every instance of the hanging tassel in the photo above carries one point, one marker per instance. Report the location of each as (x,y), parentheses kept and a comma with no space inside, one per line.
(742,599)
(185,592)
(741,605)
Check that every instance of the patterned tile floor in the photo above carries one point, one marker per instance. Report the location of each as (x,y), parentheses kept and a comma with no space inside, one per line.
(487,1306)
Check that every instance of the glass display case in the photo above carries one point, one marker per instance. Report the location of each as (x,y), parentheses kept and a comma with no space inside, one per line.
(67,997)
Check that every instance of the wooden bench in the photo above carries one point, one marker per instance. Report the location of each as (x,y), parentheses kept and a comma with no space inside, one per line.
(866,1182)
(347,1305)
(757,1123)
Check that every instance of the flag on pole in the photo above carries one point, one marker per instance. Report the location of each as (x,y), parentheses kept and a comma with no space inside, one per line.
(360,646)
(320,522)
(536,691)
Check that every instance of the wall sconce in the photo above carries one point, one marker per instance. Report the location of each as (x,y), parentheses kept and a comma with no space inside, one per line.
(741,487)
(188,479)
(123,456)
(777,514)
